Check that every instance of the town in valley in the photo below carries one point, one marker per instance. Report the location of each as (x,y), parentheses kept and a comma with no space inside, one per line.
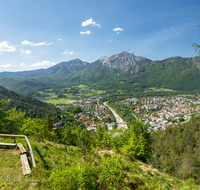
(157,112)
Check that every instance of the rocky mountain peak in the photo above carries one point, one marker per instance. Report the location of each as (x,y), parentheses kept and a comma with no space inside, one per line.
(123,61)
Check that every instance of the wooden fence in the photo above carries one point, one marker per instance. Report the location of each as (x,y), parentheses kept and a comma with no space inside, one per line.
(28,144)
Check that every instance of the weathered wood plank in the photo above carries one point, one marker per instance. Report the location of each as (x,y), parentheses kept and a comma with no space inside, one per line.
(7,144)
(21,147)
(9,135)
(25,165)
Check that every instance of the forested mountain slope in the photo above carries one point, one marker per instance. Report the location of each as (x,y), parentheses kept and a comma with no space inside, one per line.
(176,73)
(53,73)
(31,106)
(27,86)
(123,71)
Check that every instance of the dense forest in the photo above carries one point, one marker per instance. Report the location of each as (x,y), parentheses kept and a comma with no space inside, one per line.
(177,150)
(32,107)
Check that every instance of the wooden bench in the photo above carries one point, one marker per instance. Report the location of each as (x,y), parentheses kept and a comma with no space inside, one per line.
(21,147)
(7,144)
(25,165)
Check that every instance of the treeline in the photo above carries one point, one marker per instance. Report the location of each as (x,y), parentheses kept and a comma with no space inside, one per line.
(177,150)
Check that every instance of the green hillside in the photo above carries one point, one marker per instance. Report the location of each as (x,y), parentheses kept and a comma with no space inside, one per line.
(61,167)
(29,87)
(123,71)
(32,107)
(176,73)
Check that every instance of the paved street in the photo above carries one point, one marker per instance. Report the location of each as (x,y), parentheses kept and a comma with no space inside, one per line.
(119,120)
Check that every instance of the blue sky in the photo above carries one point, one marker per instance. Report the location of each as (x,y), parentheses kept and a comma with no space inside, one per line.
(41,33)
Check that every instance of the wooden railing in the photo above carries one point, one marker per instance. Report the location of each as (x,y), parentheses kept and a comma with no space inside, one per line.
(28,144)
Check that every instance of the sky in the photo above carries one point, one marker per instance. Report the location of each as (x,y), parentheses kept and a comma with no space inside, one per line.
(37,34)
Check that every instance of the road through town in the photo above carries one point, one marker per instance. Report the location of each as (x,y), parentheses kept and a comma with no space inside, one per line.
(118,119)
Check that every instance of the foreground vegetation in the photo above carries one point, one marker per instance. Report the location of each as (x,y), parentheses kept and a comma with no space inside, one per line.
(73,158)
(63,167)
(177,150)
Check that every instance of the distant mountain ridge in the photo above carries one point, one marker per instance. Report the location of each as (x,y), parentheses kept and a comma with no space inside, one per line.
(123,71)
(61,68)
(123,61)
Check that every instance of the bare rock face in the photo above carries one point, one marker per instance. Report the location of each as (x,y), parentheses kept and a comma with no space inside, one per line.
(196,61)
(123,61)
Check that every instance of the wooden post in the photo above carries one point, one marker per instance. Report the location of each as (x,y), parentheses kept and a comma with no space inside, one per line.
(31,152)
(14,139)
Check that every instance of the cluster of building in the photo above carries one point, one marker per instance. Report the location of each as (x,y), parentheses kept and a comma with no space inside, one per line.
(92,113)
(158,112)
(162,112)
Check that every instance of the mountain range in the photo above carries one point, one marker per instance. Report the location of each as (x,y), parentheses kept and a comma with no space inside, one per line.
(123,71)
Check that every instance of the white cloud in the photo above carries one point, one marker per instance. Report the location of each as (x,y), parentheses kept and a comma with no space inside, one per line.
(22,64)
(59,39)
(6,66)
(118,29)
(43,63)
(90,22)
(88,32)
(5,47)
(26,42)
(26,51)
(68,52)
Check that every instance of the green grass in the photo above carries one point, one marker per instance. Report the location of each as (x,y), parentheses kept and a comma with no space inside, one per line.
(81,86)
(58,101)
(168,90)
(51,157)
(162,89)
(101,92)
(136,83)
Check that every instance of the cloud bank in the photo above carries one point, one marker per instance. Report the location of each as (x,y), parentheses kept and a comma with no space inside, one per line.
(26,51)
(26,42)
(68,52)
(6,66)
(43,63)
(90,22)
(118,29)
(88,32)
(5,47)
